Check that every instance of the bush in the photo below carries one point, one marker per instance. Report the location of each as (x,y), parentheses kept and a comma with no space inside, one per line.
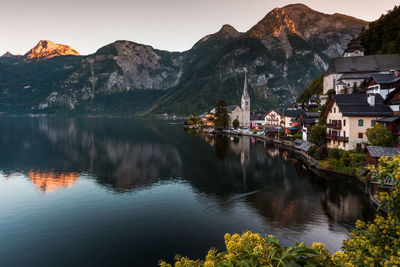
(296,136)
(380,136)
(335,153)
(312,151)
(357,158)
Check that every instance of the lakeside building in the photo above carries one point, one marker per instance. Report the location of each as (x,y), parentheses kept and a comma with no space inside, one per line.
(274,118)
(257,119)
(349,116)
(383,84)
(289,116)
(374,153)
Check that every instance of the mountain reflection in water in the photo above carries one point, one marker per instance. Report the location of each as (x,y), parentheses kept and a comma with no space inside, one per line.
(149,190)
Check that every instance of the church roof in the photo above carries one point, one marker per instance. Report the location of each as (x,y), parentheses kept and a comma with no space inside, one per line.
(231,108)
(372,63)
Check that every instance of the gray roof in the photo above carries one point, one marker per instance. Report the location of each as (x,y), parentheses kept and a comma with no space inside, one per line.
(355,76)
(372,63)
(303,145)
(357,105)
(389,119)
(293,112)
(385,78)
(379,151)
(231,108)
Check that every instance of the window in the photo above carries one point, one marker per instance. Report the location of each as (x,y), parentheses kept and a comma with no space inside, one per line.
(344,122)
(344,133)
(372,122)
(334,110)
(360,135)
(360,123)
(338,143)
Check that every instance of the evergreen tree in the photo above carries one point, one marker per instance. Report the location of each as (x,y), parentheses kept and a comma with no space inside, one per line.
(221,114)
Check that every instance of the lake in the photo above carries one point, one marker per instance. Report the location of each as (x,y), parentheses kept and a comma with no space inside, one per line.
(125,192)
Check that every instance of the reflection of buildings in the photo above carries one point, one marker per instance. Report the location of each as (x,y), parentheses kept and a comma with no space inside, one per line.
(242,147)
(49,181)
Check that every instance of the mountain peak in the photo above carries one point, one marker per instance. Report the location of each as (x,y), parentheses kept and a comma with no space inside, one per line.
(303,21)
(8,54)
(48,49)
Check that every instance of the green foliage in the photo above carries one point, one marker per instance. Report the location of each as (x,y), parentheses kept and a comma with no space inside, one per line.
(331,92)
(388,171)
(383,35)
(221,115)
(315,88)
(380,136)
(235,123)
(335,153)
(251,249)
(317,134)
(193,120)
(312,151)
(296,136)
(357,158)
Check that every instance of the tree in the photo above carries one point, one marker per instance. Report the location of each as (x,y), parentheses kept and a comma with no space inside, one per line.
(235,123)
(380,136)
(318,134)
(221,115)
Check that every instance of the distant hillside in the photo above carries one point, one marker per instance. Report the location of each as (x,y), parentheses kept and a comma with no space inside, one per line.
(315,88)
(383,35)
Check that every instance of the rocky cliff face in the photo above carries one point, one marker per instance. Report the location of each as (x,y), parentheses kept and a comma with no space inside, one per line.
(119,67)
(48,49)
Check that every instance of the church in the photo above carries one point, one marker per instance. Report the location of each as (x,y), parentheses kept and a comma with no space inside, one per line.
(242,114)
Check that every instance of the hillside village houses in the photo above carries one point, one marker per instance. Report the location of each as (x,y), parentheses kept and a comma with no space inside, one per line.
(353,68)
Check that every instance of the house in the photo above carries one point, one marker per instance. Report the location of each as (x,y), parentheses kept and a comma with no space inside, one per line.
(257,119)
(313,102)
(304,121)
(289,116)
(376,152)
(383,84)
(274,118)
(349,116)
(393,101)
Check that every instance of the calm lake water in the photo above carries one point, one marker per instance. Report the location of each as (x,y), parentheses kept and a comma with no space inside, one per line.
(121,192)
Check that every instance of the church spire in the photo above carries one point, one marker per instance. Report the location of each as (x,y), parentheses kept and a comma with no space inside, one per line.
(245,91)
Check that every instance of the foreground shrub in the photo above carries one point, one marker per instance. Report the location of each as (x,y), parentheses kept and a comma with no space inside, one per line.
(251,249)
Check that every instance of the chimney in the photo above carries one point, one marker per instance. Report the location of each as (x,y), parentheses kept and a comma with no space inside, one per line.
(371,100)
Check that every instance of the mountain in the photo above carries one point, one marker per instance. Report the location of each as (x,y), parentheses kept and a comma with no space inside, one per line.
(283,52)
(48,49)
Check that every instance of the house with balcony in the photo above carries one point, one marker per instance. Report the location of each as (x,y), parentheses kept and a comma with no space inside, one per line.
(349,116)
(273,118)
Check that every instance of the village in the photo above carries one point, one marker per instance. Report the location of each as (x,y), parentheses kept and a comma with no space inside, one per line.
(350,126)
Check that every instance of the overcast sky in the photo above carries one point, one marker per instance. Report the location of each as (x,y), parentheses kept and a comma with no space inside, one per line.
(173,25)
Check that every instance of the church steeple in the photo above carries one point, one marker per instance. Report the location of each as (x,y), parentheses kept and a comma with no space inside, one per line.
(245,91)
(245,95)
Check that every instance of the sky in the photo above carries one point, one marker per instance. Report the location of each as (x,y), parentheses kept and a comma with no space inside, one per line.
(173,25)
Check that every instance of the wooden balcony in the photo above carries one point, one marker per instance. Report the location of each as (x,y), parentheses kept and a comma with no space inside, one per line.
(335,126)
(337,138)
